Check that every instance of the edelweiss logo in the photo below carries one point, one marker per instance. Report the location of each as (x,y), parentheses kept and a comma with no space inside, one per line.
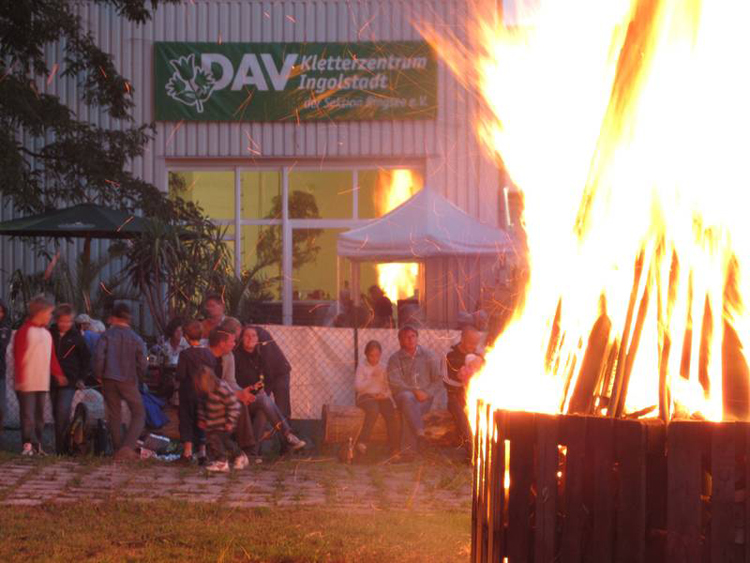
(191,85)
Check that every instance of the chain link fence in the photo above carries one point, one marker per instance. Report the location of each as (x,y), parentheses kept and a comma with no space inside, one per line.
(323,361)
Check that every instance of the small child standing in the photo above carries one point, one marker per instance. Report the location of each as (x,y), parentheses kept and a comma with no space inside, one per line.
(34,362)
(218,412)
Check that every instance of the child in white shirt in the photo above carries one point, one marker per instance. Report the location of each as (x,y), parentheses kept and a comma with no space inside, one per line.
(374,397)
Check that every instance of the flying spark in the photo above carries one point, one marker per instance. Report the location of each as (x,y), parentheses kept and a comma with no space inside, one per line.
(52,73)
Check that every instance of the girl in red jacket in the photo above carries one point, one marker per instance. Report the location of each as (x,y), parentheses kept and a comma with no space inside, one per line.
(35,361)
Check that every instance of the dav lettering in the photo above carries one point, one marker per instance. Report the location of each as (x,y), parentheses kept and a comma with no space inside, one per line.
(193,85)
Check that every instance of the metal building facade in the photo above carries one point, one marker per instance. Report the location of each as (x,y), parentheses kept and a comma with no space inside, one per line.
(446,148)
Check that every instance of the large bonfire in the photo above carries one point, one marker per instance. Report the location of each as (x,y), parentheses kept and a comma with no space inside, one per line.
(625,125)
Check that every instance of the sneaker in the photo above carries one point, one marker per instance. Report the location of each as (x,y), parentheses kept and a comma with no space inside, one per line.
(28,450)
(294,442)
(39,451)
(218,467)
(240,462)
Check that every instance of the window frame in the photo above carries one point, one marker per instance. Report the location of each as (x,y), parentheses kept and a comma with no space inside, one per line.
(287,224)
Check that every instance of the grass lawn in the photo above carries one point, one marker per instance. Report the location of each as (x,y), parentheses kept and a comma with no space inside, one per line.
(176,531)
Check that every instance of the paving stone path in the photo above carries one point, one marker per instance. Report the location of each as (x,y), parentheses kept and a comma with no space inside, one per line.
(421,486)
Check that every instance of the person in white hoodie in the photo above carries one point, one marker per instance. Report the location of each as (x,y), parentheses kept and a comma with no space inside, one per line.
(374,397)
(35,363)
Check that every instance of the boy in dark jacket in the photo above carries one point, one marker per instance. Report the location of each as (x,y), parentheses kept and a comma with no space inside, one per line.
(189,363)
(75,360)
(455,383)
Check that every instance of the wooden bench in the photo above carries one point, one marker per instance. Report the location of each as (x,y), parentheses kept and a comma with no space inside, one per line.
(341,422)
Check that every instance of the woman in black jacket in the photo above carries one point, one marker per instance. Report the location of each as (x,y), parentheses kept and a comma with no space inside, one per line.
(75,360)
(250,376)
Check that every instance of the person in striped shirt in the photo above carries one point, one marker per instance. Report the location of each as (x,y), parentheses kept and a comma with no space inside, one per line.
(218,412)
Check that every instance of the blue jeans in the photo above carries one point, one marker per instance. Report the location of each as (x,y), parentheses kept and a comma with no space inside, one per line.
(263,409)
(279,388)
(412,412)
(62,400)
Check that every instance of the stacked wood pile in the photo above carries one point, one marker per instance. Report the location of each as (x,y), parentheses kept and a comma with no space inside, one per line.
(584,488)
(581,488)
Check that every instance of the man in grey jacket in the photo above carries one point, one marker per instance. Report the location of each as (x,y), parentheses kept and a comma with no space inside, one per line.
(120,364)
(415,379)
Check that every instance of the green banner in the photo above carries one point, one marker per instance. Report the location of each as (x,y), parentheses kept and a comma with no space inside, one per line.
(294,82)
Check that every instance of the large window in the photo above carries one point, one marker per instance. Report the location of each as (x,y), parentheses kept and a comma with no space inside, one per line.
(298,211)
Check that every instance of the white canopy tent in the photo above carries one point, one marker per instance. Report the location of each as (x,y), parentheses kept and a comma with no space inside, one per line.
(425,228)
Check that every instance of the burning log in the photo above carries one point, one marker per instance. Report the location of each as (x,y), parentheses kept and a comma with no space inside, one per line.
(704,351)
(736,377)
(605,391)
(624,339)
(641,413)
(592,367)
(633,349)
(665,340)
(554,338)
(663,391)
(569,371)
(736,380)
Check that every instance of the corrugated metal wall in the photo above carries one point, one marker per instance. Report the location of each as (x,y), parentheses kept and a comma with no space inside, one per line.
(454,163)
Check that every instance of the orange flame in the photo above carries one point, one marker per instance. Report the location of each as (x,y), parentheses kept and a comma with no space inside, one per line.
(397,280)
(624,123)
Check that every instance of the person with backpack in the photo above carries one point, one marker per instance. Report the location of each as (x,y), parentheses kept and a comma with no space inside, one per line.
(75,360)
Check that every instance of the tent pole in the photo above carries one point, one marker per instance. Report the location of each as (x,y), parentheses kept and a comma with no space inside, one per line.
(86,263)
(287,263)
(338,285)
(355,282)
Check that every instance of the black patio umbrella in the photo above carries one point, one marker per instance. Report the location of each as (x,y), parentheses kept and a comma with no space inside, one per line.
(86,220)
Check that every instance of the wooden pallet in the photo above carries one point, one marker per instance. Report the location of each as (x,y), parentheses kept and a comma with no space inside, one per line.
(708,517)
(581,489)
